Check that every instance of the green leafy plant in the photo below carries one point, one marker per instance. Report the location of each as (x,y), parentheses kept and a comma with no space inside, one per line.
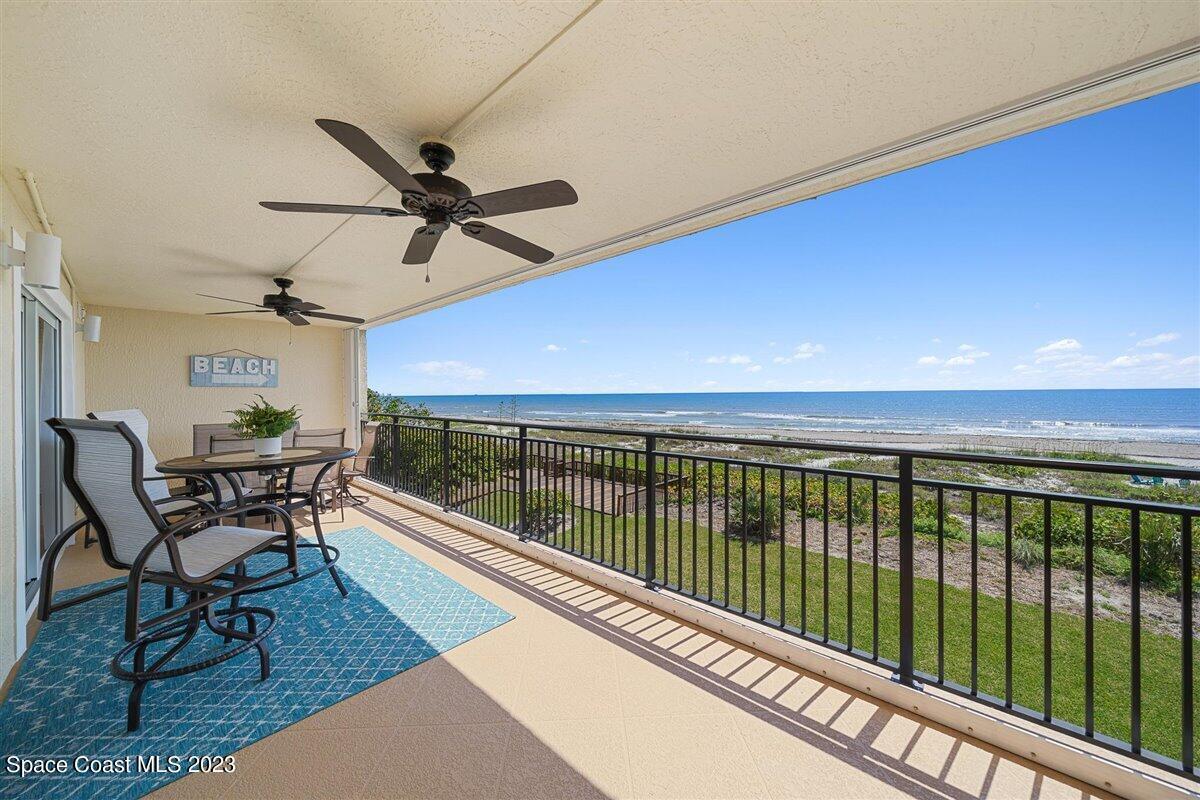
(544,510)
(761,513)
(261,420)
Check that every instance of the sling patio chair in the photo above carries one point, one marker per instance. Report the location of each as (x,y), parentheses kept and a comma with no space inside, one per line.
(357,469)
(103,466)
(156,484)
(302,480)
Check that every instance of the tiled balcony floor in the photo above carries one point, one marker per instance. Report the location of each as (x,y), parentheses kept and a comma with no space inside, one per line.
(586,694)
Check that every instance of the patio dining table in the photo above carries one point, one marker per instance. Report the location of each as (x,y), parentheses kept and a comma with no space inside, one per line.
(229,464)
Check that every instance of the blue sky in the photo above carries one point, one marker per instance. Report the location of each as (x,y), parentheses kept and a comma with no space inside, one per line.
(1065,258)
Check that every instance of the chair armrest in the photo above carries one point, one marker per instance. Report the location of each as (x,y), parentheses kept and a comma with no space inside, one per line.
(194,485)
(226,513)
(199,501)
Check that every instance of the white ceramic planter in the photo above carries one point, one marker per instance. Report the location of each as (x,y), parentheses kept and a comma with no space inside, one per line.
(271,446)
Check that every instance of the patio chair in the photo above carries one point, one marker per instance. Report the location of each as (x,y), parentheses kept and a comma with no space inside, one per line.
(156,484)
(357,469)
(303,479)
(103,466)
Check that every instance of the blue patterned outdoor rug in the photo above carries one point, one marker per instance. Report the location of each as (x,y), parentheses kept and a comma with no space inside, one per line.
(65,704)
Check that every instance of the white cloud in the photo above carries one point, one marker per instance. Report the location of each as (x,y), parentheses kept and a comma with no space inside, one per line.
(754,368)
(449,369)
(553,348)
(709,383)
(1061,350)
(928,361)
(966,348)
(1061,346)
(734,359)
(585,341)
(1141,359)
(1161,338)
(936,340)
(803,352)
(1021,368)
(967,360)
(1190,361)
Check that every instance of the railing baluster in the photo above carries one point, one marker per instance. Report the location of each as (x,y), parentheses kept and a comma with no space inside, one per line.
(762,549)
(1047,625)
(825,557)
(974,593)
(695,533)
(941,586)
(725,533)
(1186,641)
(745,546)
(1089,663)
(523,481)
(849,563)
(905,673)
(711,525)
(803,551)
(446,465)
(782,548)
(874,568)
(651,544)
(1135,631)
(1008,603)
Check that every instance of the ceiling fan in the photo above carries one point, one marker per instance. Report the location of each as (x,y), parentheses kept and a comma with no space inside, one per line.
(440,200)
(290,307)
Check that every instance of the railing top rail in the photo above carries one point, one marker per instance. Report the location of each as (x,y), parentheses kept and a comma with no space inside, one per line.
(1037,462)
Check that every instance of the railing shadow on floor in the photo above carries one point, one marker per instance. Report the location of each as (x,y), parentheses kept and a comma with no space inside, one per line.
(783,696)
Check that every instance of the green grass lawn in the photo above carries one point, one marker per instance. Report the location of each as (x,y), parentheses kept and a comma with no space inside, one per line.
(609,539)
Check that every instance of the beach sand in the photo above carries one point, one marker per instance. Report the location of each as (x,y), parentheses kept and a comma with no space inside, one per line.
(1176,454)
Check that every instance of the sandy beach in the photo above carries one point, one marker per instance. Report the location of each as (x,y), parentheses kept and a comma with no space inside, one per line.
(1178,454)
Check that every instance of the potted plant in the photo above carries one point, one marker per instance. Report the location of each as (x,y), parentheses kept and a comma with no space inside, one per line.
(265,424)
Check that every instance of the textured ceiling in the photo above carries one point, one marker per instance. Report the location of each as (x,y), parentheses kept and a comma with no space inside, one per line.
(154,129)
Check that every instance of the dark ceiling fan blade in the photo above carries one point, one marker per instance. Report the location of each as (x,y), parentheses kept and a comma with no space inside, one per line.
(507,242)
(523,198)
(247,311)
(296,319)
(370,153)
(334,208)
(336,317)
(422,243)
(306,306)
(230,300)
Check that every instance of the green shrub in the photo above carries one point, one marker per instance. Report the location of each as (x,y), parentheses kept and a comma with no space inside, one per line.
(755,505)
(1026,552)
(1106,562)
(544,510)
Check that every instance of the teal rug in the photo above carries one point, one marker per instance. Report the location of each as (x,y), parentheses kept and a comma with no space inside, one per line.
(64,703)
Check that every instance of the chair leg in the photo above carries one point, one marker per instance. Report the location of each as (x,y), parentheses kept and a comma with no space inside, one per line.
(236,600)
(133,714)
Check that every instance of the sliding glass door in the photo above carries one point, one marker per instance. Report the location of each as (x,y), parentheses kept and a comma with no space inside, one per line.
(41,379)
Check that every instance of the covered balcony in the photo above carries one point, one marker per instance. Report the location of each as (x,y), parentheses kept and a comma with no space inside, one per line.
(515,608)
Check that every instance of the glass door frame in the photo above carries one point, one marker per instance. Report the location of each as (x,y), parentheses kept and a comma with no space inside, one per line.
(62,308)
(37,321)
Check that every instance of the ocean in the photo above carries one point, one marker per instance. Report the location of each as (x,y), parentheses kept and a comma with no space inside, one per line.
(1163,415)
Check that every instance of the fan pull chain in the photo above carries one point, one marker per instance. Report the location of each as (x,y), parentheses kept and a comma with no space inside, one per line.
(427,272)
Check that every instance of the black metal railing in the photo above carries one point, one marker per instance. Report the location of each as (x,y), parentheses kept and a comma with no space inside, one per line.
(1026,583)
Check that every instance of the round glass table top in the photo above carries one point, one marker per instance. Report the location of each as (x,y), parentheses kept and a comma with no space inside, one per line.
(247,461)
(240,456)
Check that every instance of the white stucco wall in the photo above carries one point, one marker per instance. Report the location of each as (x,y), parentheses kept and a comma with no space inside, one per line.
(142,362)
